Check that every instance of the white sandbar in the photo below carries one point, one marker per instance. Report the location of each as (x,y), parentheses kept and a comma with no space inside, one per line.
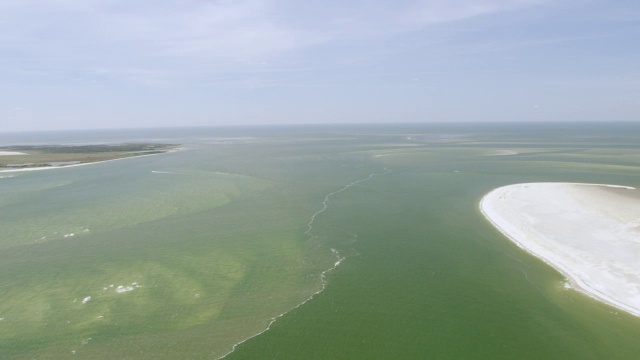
(7,153)
(502,153)
(589,232)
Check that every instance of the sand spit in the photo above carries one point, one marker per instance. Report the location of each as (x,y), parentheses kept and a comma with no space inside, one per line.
(589,232)
(83,164)
(9,153)
(502,153)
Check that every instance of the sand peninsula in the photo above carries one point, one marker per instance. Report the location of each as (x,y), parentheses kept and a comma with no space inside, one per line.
(589,232)
(41,157)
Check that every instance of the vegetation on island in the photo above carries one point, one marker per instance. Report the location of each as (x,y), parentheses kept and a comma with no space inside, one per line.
(35,156)
(97,148)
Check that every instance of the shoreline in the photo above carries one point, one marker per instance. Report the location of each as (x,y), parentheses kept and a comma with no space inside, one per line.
(84,163)
(531,236)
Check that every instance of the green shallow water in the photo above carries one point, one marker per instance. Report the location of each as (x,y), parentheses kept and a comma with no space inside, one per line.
(212,243)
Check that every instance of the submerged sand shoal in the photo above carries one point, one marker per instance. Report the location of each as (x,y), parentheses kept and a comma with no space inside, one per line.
(589,232)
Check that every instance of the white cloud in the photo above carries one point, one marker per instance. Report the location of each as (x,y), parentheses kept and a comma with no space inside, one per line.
(428,12)
(149,41)
(226,29)
(218,29)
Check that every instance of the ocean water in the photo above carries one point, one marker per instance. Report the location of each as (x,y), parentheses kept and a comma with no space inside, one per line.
(343,241)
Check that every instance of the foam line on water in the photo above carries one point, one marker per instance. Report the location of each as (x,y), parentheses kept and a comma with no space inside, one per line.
(325,202)
(323,280)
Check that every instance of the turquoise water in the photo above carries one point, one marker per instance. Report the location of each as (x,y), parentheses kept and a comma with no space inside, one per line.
(214,242)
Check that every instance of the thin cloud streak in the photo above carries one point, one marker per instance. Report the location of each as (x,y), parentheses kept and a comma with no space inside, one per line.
(71,58)
(224,31)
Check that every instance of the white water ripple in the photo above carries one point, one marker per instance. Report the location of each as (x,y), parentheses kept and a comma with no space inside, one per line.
(323,281)
(325,202)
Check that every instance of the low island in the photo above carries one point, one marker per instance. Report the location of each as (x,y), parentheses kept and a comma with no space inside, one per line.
(589,232)
(38,157)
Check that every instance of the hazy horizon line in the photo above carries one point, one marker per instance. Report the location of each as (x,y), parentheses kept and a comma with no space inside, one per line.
(336,124)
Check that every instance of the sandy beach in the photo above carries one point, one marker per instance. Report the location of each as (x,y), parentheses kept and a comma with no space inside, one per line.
(7,170)
(38,168)
(589,232)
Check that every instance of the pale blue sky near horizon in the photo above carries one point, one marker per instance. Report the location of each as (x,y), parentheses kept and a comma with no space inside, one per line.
(90,64)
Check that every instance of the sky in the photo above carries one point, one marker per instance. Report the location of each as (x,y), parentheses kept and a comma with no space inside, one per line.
(92,64)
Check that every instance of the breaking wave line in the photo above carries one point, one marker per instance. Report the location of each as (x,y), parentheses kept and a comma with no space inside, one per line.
(323,280)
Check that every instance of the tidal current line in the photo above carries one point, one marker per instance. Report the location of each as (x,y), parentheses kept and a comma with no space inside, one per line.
(325,202)
(323,281)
